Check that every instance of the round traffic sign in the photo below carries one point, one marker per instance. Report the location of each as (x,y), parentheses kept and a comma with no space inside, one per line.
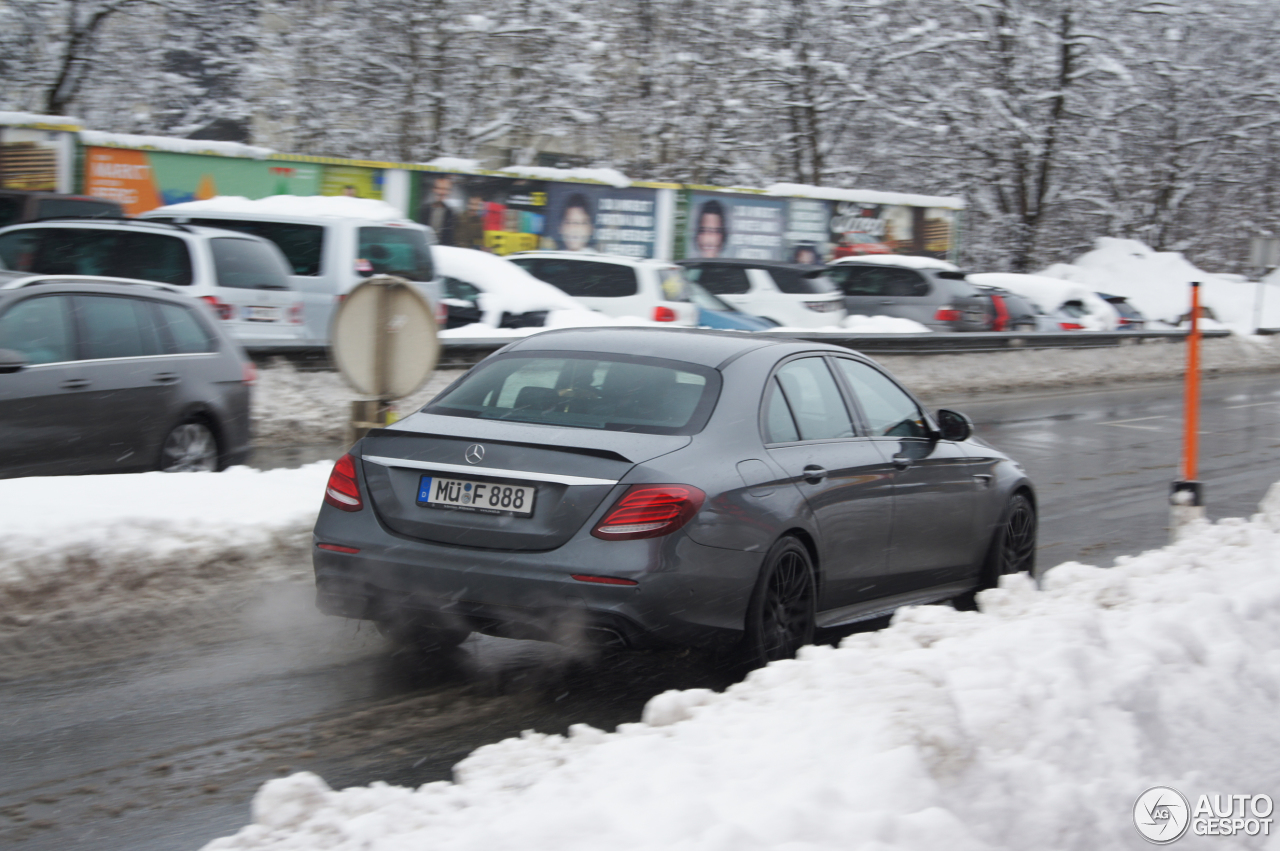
(384,339)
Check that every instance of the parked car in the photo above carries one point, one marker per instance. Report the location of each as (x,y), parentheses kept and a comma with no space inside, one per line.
(1013,312)
(331,245)
(484,288)
(1130,318)
(1074,307)
(639,486)
(17,206)
(716,313)
(99,376)
(939,299)
(786,293)
(618,286)
(244,279)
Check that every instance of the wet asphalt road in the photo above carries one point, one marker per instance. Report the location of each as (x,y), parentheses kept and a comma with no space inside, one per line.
(161,745)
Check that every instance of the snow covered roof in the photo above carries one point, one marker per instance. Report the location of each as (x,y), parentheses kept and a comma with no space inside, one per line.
(865,196)
(335,206)
(911,261)
(40,122)
(610,176)
(177,146)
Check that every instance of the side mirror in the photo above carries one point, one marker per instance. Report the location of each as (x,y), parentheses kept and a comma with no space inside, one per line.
(954,425)
(11,361)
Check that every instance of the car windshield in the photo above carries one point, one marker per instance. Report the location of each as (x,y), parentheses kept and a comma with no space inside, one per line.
(611,392)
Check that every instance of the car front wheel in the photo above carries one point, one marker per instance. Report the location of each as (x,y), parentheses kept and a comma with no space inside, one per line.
(780,617)
(189,448)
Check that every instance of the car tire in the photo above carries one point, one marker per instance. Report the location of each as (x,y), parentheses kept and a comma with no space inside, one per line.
(421,638)
(783,608)
(189,447)
(1012,549)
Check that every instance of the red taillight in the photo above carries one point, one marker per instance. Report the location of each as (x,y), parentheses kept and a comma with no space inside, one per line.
(603,580)
(1002,313)
(442,314)
(338,548)
(649,511)
(1071,326)
(947,314)
(248,372)
(295,314)
(663,314)
(342,490)
(221,308)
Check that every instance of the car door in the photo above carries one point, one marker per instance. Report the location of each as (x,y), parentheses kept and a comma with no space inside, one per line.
(45,415)
(935,484)
(845,478)
(131,385)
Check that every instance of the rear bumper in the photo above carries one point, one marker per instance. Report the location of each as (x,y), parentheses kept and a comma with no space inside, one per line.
(686,594)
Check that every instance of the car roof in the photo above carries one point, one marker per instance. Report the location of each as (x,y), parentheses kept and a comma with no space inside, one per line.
(752,264)
(11,280)
(691,345)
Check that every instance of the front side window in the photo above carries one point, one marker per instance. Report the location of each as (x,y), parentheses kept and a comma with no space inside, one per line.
(246,264)
(116,327)
(814,399)
(396,251)
(582,278)
(40,329)
(615,393)
(890,412)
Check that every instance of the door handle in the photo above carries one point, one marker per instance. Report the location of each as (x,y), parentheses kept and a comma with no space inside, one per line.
(74,384)
(814,474)
(900,462)
(165,377)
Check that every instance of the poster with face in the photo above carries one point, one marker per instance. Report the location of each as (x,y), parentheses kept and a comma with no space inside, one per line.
(497,214)
(723,225)
(601,218)
(808,236)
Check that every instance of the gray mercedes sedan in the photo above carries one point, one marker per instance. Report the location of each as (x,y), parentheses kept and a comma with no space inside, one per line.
(637,486)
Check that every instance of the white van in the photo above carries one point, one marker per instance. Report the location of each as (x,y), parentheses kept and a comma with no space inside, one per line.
(332,244)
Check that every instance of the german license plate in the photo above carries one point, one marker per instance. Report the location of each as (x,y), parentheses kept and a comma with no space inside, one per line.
(483,497)
(262,314)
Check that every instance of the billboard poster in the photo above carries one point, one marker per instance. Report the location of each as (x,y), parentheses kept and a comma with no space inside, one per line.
(144,180)
(860,228)
(353,181)
(508,214)
(739,226)
(808,236)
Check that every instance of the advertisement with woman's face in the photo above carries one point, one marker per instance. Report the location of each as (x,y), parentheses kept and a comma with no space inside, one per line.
(600,218)
(736,226)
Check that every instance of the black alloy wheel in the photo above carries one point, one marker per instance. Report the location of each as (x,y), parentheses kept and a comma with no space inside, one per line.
(780,618)
(1017,538)
(189,448)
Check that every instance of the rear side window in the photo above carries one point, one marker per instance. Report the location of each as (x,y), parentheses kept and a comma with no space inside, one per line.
(182,332)
(878,281)
(721,280)
(302,245)
(645,395)
(49,207)
(396,251)
(890,412)
(92,251)
(583,278)
(244,264)
(115,327)
(40,329)
(815,401)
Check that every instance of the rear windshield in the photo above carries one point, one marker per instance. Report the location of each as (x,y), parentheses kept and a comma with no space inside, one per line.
(302,245)
(615,393)
(582,278)
(90,251)
(396,251)
(247,264)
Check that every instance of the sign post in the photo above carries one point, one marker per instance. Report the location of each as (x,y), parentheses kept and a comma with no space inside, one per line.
(1187,498)
(385,345)
(1264,253)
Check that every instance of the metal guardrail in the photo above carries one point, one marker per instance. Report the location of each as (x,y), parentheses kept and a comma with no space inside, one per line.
(460,351)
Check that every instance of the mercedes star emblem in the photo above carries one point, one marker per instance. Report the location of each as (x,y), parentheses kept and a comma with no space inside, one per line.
(474,453)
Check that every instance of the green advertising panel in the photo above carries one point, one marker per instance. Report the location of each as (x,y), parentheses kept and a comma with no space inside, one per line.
(193,177)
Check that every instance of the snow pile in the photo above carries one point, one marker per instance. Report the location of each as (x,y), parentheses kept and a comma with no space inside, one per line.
(864,196)
(455,164)
(1050,293)
(911,261)
(882,325)
(1158,284)
(334,206)
(1033,724)
(175,145)
(148,539)
(613,177)
(504,286)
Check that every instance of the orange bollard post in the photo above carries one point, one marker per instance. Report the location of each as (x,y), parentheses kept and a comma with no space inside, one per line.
(1187,498)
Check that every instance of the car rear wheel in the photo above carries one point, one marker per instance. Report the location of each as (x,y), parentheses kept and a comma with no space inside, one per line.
(420,637)
(780,616)
(189,448)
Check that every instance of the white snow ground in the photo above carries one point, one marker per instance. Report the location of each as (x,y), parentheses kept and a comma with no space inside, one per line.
(1035,723)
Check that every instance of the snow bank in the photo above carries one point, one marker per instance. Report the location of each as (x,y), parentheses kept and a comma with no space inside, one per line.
(1050,293)
(864,196)
(148,539)
(455,164)
(504,285)
(1157,283)
(337,206)
(882,325)
(1033,724)
(610,176)
(911,261)
(174,144)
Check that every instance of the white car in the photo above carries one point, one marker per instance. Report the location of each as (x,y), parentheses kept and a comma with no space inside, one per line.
(655,290)
(485,289)
(791,295)
(244,279)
